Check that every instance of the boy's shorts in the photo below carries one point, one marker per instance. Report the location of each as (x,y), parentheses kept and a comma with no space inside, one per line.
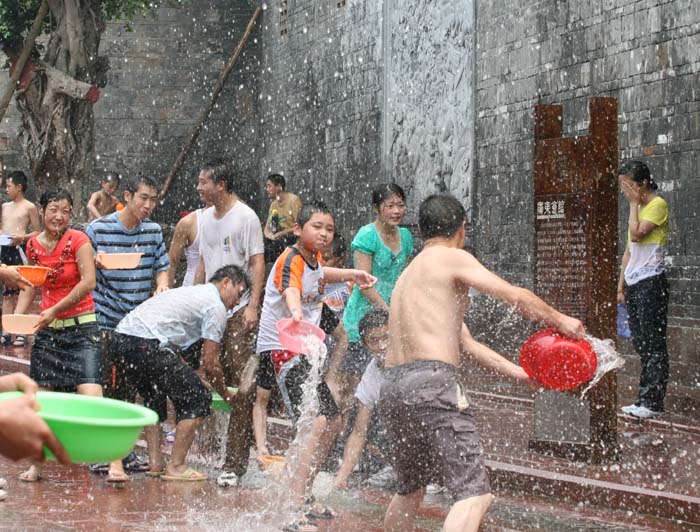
(431,430)
(290,377)
(10,256)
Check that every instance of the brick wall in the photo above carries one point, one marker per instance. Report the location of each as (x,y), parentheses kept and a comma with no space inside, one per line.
(646,54)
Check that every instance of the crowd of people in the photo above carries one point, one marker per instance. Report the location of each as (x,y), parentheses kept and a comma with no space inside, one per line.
(396,334)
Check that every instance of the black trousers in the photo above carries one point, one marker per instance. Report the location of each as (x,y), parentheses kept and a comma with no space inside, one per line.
(647,307)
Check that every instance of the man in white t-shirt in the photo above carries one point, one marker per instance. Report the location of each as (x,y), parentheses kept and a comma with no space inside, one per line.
(231,233)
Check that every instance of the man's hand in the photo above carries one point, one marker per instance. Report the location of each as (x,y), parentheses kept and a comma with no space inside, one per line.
(229,397)
(340,484)
(23,434)
(364,279)
(160,289)
(297,314)
(621,297)
(250,317)
(260,457)
(18,382)
(571,327)
(98,261)
(11,277)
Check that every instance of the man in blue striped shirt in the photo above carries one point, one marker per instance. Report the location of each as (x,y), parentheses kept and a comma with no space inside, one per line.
(118,292)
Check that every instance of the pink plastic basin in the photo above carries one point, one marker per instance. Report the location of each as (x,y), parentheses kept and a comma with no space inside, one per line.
(292,334)
(119,261)
(20,323)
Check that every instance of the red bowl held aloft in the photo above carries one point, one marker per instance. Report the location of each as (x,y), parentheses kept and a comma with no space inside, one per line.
(558,362)
(292,334)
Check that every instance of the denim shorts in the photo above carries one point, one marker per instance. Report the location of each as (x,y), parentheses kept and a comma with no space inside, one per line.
(61,359)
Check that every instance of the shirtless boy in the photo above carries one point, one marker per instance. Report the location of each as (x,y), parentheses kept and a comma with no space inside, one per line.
(104,201)
(429,423)
(17,215)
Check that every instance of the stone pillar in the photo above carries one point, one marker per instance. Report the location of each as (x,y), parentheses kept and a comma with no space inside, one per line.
(576,268)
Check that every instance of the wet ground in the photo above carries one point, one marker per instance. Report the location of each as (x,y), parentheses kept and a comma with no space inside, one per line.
(658,474)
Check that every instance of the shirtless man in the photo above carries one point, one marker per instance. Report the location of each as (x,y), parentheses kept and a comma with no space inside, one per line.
(186,240)
(17,215)
(104,201)
(425,411)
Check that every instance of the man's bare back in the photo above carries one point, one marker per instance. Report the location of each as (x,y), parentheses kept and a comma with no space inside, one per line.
(431,297)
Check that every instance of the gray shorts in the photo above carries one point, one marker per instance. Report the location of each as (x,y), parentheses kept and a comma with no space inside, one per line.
(431,430)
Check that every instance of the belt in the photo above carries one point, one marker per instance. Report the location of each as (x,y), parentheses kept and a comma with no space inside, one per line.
(72,322)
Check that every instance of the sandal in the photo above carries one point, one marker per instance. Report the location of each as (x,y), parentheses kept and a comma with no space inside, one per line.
(117,477)
(189,475)
(315,510)
(133,464)
(20,341)
(301,524)
(98,469)
(5,339)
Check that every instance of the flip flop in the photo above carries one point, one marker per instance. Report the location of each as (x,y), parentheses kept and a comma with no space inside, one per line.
(190,475)
(98,469)
(5,339)
(154,474)
(117,477)
(20,341)
(133,464)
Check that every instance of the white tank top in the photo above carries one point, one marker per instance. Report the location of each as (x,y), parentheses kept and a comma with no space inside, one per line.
(192,253)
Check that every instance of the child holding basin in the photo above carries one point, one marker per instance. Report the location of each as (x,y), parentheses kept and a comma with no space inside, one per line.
(66,354)
(295,289)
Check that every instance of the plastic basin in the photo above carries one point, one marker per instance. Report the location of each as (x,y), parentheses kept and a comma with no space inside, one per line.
(218,403)
(92,429)
(119,261)
(20,323)
(34,274)
(558,362)
(292,334)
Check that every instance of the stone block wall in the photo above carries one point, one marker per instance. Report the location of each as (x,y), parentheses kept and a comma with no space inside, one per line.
(646,54)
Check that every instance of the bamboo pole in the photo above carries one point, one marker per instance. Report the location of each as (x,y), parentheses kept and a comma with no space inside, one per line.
(207,111)
(23,57)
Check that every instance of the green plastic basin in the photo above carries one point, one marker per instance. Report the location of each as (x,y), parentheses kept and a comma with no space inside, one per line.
(218,403)
(92,429)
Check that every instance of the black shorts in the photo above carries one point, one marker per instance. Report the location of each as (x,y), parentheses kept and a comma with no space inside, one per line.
(431,430)
(10,256)
(158,372)
(290,380)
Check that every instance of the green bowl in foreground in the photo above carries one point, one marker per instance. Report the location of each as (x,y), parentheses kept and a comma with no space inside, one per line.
(218,403)
(92,429)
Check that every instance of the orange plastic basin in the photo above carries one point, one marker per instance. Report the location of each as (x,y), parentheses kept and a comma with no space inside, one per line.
(20,323)
(36,275)
(119,261)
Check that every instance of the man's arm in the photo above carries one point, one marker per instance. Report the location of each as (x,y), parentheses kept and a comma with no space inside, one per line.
(341,346)
(199,277)
(181,239)
(257,272)
(353,447)
(362,278)
(162,281)
(473,274)
(488,358)
(212,369)
(92,204)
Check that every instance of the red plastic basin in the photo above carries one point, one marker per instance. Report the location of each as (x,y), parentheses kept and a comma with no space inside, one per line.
(292,334)
(558,362)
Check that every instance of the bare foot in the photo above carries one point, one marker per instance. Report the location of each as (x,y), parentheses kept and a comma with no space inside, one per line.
(116,476)
(33,474)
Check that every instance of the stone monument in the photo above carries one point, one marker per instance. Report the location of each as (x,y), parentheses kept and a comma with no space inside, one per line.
(576,268)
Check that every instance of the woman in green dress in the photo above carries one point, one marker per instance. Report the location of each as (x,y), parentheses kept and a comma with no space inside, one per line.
(381,248)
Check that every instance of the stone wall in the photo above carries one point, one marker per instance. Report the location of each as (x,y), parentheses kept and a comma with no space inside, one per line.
(162,73)
(646,54)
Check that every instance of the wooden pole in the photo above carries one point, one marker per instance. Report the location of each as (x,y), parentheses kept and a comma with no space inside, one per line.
(207,111)
(23,57)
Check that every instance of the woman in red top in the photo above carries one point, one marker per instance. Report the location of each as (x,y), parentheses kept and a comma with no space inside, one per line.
(66,354)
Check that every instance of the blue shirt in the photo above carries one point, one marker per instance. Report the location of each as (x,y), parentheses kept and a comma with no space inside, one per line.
(118,292)
(179,317)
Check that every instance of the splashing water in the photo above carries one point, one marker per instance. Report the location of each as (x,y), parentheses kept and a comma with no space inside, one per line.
(608,359)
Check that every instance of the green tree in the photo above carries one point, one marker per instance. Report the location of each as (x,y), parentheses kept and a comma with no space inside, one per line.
(61,82)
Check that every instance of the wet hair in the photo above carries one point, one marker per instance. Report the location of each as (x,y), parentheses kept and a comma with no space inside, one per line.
(55,194)
(278,180)
(339,246)
(639,172)
(440,215)
(309,209)
(220,171)
(234,273)
(382,192)
(132,183)
(372,320)
(112,177)
(19,178)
